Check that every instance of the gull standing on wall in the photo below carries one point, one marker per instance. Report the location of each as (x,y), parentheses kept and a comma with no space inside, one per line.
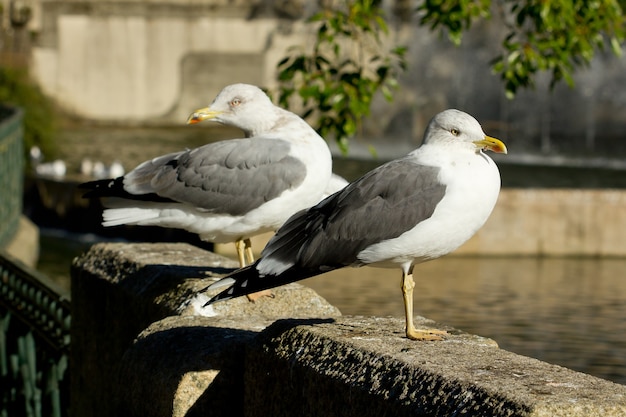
(230,190)
(407,211)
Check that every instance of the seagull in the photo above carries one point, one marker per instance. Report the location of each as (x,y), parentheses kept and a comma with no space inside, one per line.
(230,190)
(407,211)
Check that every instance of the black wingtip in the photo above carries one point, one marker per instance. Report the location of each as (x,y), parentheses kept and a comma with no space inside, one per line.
(248,280)
(245,281)
(219,297)
(222,296)
(102,188)
(114,187)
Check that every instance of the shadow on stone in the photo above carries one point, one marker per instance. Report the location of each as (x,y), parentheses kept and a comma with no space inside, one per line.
(176,371)
(199,369)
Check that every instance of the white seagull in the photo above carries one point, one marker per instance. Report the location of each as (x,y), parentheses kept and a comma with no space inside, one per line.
(230,190)
(407,211)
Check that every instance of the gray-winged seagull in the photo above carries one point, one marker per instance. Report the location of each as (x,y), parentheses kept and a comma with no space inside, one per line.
(229,190)
(407,211)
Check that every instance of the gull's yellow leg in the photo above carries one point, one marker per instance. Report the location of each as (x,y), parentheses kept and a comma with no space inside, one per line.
(247,248)
(411,332)
(239,244)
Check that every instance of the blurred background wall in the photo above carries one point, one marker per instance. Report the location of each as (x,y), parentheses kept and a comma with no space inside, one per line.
(153,61)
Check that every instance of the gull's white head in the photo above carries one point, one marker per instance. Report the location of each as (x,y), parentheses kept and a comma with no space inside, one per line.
(240,105)
(456,128)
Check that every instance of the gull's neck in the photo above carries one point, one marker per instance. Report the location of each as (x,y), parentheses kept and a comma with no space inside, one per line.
(271,121)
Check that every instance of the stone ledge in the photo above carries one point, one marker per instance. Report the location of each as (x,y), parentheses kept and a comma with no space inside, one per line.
(120,290)
(142,346)
(25,244)
(365,367)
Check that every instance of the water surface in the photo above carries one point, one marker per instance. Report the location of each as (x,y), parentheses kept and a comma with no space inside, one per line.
(564,311)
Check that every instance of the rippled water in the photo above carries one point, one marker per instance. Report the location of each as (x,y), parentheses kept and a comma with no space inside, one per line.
(565,311)
(570,312)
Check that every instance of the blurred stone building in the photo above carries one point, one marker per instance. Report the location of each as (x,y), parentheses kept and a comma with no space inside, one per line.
(152,61)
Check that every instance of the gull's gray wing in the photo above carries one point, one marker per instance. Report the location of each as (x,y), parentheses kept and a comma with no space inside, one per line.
(381,205)
(227,177)
(230,177)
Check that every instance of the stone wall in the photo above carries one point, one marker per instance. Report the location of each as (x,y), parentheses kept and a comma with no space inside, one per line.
(143,345)
(541,222)
(553,222)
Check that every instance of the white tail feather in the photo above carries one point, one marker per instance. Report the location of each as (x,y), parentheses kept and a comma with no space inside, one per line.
(132,215)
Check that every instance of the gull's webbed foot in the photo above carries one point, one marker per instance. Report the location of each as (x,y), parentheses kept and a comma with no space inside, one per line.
(256,295)
(426,334)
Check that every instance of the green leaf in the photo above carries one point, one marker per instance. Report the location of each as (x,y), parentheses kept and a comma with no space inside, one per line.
(616,47)
(557,36)
(340,88)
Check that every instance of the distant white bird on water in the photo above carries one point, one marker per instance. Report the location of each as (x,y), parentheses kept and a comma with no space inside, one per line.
(229,190)
(407,211)
(55,169)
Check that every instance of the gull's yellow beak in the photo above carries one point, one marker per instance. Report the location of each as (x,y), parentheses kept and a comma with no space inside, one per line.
(202,114)
(491,144)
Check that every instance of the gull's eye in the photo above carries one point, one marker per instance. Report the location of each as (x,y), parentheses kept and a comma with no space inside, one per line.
(455,132)
(235,102)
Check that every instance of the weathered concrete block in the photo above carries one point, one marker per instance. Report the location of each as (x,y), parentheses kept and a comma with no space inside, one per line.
(365,367)
(185,366)
(25,244)
(118,290)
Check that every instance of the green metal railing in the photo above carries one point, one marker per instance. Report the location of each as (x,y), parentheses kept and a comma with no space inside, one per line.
(11,171)
(34,343)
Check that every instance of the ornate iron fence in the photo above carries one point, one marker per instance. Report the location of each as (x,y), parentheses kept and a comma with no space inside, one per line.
(34,343)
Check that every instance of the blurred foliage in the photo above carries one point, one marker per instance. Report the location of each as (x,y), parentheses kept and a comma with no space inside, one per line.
(40,117)
(351,59)
(556,36)
(349,62)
